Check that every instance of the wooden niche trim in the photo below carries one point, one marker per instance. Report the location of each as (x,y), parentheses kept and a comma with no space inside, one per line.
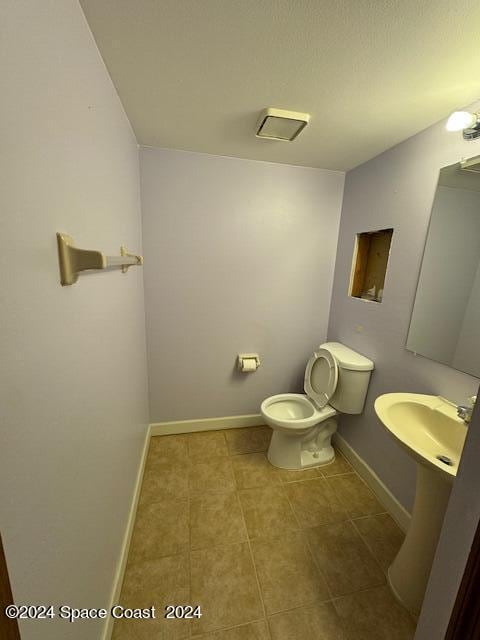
(369,265)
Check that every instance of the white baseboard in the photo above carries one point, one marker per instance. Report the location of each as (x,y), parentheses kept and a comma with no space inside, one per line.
(205,424)
(122,562)
(384,495)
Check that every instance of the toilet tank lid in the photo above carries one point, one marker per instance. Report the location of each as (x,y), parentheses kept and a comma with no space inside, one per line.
(348,358)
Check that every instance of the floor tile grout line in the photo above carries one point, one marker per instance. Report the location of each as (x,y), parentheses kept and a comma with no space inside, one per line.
(362,590)
(190,626)
(317,566)
(344,510)
(307,542)
(340,473)
(331,600)
(373,515)
(201,635)
(369,490)
(316,479)
(292,508)
(369,548)
(260,592)
(312,603)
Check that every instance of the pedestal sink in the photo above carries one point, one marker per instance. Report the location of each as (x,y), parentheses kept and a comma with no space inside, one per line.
(430,431)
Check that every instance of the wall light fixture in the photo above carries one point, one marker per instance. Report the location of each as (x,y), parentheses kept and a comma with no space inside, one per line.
(465,121)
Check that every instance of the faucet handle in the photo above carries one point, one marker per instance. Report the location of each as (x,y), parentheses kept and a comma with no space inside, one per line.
(472,400)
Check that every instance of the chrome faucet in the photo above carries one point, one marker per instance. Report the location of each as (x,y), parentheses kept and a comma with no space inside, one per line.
(464,412)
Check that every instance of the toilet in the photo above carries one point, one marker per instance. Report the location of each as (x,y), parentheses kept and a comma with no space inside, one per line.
(336,381)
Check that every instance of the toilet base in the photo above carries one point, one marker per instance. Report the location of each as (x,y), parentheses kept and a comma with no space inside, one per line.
(303,451)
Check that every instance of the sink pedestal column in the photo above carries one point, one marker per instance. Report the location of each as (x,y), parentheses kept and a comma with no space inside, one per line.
(409,573)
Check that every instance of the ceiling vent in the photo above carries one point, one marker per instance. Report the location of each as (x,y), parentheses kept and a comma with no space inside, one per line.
(278,124)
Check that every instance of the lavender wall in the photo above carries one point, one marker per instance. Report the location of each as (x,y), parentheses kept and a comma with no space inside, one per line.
(73,388)
(239,256)
(396,189)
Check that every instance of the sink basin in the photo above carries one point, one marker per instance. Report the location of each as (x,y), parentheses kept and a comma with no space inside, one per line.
(428,428)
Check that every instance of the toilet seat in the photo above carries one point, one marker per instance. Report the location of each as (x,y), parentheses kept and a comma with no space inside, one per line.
(294,412)
(321,378)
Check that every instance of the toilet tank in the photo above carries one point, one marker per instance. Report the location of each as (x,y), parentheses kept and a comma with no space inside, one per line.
(354,371)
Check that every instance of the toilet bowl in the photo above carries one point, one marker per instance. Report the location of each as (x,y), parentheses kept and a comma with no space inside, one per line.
(301,431)
(336,381)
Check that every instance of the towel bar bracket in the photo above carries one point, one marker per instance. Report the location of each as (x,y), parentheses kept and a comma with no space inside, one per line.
(73,260)
(125,252)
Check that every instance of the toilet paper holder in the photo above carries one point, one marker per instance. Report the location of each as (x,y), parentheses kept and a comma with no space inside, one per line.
(248,362)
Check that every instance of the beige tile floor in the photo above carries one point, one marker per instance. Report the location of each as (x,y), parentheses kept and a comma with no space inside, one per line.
(268,554)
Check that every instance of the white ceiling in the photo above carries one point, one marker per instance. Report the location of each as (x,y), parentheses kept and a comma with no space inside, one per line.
(194,74)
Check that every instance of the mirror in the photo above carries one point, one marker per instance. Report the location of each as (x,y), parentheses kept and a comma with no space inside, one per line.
(445,323)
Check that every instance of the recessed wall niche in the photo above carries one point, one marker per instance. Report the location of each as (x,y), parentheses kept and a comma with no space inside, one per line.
(369,264)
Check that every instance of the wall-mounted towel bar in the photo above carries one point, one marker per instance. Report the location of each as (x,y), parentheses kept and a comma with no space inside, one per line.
(72,260)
